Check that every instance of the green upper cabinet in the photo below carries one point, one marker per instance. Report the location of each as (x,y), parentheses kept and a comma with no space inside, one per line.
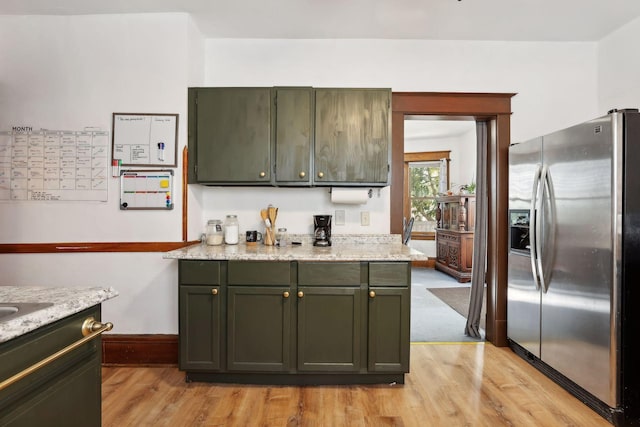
(294,135)
(352,136)
(289,136)
(230,136)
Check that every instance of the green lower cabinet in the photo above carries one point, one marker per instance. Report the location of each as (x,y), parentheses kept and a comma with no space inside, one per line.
(329,322)
(258,328)
(389,329)
(200,327)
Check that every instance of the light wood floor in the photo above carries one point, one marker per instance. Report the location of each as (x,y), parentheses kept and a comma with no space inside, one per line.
(472,384)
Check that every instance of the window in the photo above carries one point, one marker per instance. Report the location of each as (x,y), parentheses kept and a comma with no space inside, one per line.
(422,183)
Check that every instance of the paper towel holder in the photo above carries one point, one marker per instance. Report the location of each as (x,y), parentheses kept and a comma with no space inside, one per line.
(350,195)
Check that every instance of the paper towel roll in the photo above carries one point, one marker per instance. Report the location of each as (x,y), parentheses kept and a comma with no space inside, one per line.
(349,196)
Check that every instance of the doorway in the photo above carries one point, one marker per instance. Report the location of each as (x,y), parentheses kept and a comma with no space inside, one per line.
(495,111)
(439,158)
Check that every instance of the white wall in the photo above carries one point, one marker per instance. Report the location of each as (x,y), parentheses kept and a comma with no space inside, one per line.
(619,68)
(63,72)
(546,77)
(75,71)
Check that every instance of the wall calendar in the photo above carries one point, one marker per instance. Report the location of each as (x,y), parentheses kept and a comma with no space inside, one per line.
(51,165)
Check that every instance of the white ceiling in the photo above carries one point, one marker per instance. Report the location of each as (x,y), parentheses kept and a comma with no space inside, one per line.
(507,20)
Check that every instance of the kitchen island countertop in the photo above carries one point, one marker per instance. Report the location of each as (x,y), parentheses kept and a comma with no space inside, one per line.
(64,301)
(344,248)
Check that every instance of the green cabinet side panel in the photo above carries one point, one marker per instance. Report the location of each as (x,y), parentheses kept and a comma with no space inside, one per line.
(73,401)
(259,328)
(200,327)
(294,135)
(329,322)
(329,273)
(259,273)
(233,133)
(389,323)
(195,272)
(48,395)
(389,274)
(352,136)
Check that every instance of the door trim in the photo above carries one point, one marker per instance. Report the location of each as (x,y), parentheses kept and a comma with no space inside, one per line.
(495,109)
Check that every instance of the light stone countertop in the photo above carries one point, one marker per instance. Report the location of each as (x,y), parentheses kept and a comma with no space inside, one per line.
(344,248)
(65,302)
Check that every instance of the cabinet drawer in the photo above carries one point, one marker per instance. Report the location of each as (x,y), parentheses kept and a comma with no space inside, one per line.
(199,272)
(259,273)
(389,274)
(329,274)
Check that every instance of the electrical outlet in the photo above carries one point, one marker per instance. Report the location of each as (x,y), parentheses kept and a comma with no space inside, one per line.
(364,218)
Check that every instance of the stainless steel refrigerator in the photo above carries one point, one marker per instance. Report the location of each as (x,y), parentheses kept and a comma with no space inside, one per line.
(573,307)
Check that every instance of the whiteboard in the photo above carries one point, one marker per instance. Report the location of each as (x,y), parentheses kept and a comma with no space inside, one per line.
(145,139)
(146,189)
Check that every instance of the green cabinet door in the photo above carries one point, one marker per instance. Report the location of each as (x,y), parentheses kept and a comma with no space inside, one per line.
(230,137)
(294,135)
(258,328)
(388,349)
(200,326)
(352,136)
(329,322)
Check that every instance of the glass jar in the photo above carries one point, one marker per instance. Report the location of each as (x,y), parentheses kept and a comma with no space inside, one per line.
(281,237)
(214,232)
(231,230)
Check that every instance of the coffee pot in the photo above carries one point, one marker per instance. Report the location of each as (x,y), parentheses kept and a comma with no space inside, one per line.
(322,230)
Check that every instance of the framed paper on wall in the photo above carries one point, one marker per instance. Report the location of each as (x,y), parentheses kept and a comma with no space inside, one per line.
(145,139)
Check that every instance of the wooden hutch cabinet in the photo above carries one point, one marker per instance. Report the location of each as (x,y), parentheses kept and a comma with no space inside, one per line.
(456,217)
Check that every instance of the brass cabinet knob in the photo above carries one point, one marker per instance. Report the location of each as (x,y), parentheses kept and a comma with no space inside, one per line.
(302,174)
(372,294)
(214,291)
(300,294)
(285,294)
(320,174)
(263,174)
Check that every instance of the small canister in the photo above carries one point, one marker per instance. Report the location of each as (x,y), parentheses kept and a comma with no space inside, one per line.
(281,237)
(215,235)
(231,230)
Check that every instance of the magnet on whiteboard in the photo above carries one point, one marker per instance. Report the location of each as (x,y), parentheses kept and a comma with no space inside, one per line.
(161,151)
(164,183)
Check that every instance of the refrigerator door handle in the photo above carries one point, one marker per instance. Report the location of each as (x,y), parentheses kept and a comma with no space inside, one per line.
(543,188)
(533,224)
(550,232)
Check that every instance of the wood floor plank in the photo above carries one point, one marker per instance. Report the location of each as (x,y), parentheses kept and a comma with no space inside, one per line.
(449,385)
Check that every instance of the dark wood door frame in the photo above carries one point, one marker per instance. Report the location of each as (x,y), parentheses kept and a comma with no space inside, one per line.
(495,109)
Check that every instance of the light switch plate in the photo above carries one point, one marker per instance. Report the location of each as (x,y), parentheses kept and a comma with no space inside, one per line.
(340,217)
(364,218)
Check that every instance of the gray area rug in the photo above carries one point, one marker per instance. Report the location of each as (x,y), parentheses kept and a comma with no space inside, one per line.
(458,299)
(432,320)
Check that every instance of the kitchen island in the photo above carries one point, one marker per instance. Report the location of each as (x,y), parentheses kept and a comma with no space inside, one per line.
(296,314)
(40,382)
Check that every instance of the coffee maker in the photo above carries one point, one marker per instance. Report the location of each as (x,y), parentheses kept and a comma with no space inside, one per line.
(322,230)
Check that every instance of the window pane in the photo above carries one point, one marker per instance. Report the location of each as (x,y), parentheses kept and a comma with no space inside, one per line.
(424,180)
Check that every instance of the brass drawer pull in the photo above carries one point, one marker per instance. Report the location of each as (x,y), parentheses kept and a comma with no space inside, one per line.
(214,291)
(300,294)
(372,294)
(302,174)
(285,294)
(262,174)
(320,174)
(91,328)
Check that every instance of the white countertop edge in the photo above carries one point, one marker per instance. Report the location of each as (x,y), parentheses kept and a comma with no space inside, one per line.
(66,302)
